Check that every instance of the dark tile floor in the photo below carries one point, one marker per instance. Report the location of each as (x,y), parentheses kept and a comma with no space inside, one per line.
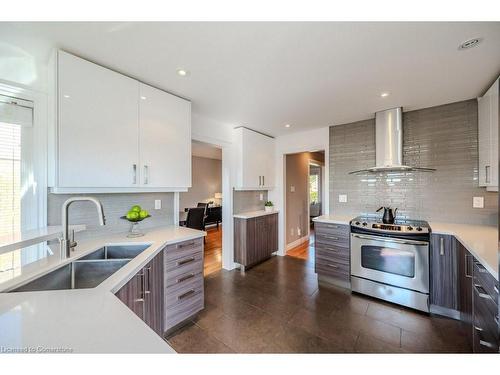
(278,307)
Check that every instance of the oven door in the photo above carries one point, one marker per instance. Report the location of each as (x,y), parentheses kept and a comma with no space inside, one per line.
(393,261)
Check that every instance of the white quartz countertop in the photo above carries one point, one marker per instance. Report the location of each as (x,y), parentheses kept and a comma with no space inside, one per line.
(480,240)
(85,320)
(252,214)
(334,219)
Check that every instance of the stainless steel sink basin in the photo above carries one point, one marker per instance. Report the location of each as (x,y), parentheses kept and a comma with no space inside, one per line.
(79,274)
(86,272)
(117,252)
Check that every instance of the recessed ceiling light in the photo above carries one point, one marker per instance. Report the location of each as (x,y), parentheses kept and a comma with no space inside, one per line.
(182,72)
(470,43)
(287,125)
(384,95)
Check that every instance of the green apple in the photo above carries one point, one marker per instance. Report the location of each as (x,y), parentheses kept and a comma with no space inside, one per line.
(136,208)
(143,214)
(133,215)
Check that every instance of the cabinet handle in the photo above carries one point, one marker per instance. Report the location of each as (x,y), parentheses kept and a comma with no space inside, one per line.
(185,295)
(141,295)
(147,281)
(180,246)
(332,226)
(330,248)
(263,181)
(487,173)
(441,246)
(495,289)
(134,169)
(330,237)
(481,292)
(467,258)
(482,342)
(146,175)
(184,278)
(332,265)
(260,181)
(185,261)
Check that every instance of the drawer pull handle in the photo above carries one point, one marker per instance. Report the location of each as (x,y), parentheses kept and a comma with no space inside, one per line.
(180,246)
(332,226)
(185,295)
(479,329)
(496,289)
(481,292)
(487,344)
(184,278)
(185,261)
(467,274)
(332,265)
(331,237)
(441,246)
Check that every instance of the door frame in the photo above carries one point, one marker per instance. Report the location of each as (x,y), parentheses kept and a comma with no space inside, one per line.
(321,166)
(227,198)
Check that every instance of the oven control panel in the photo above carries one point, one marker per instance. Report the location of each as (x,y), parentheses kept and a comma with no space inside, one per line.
(400,226)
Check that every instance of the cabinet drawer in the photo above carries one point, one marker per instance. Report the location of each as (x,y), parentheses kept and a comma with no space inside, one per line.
(332,229)
(332,239)
(341,256)
(183,249)
(333,248)
(185,263)
(333,270)
(177,278)
(184,302)
(486,280)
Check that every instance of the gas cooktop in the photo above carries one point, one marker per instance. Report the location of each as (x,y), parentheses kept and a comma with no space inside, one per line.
(400,226)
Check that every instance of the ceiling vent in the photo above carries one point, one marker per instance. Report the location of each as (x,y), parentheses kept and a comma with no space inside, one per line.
(470,43)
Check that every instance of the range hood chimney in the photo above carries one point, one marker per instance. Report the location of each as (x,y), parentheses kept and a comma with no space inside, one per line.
(389,144)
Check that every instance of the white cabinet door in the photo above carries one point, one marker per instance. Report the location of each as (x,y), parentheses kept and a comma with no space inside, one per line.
(165,139)
(494,97)
(97,125)
(256,160)
(488,138)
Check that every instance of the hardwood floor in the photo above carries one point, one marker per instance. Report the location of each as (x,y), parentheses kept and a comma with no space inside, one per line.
(304,251)
(213,251)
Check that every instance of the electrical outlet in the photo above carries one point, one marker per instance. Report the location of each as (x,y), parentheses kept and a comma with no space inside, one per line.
(478,202)
(298,232)
(292,189)
(343,198)
(261,196)
(157,204)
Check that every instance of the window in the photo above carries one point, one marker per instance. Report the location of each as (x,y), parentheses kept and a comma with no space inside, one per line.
(313,188)
(18,182)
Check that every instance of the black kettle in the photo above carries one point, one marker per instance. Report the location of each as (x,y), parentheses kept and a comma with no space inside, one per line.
(389,215)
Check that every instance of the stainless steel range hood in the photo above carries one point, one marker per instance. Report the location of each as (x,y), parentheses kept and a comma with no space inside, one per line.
(389,144)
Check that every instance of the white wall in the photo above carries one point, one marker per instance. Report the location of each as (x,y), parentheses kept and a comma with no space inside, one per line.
(311,140)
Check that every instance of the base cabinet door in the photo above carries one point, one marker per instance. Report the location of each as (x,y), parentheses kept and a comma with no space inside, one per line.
(465,262)
(444,272)
(143,294)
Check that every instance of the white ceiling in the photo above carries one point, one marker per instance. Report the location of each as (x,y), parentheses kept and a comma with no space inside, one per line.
(265,75)
(205,150)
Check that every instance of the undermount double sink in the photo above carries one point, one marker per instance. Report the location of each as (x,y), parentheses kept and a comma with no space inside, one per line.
(86,272)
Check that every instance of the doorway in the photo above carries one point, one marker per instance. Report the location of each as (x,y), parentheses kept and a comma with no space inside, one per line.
(205,193)
(304,192)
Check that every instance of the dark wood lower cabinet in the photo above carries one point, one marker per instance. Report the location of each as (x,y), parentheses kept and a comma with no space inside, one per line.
(465,261)
(444,274)
(143,294)
(255,239)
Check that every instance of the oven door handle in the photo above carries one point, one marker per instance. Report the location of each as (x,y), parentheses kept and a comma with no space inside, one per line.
(392,240)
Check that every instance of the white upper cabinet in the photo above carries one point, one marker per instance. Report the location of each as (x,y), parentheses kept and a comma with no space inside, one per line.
(164,134)
(488,121)
(255,161)
(108,139)
(97,125)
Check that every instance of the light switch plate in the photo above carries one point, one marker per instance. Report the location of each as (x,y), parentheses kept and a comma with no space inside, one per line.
(292,189)
(343,198)
(478,202)
(157,204)
(261,196)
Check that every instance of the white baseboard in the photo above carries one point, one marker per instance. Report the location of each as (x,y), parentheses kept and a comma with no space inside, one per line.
(296,243)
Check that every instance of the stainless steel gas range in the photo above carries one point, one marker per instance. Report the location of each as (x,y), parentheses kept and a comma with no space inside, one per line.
(391,261)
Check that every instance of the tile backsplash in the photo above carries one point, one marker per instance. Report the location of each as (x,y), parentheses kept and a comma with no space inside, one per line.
(444,138)
(249,200)
(115,206)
